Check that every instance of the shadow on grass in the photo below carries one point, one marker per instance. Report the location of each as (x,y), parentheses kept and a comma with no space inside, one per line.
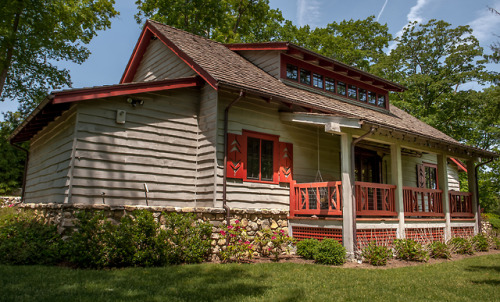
(487,282)
(477,268)
(176,283)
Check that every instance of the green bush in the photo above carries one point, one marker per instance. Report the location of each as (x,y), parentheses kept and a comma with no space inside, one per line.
(238,246)
(496,243)
(330,252)
(26,239)
(439,250)
(274,243)
(410,250)
(188,239)
(307,247)
(461,246)
(493,219)
(480,243)
(376,255)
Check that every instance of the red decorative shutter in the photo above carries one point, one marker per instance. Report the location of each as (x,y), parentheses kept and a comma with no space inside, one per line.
(420,176)
(236,156)
(286,162)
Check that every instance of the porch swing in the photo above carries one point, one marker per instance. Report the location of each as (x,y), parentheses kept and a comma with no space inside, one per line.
(318,194)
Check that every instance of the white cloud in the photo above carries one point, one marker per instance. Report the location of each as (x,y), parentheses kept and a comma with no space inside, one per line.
(308,12)
(414,14)
(486,24)
(382,10)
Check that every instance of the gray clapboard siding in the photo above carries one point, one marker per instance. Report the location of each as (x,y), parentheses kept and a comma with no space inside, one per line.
(159,62)
(206,158)
(48,167)
(267,60)
(257,115)
(409,167)
(156,146)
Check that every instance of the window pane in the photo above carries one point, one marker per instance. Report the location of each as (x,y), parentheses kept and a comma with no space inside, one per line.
(292,72)
(362,94)
(341,89)
(372,98)
(353,92)
(267,160)
(381,101)
(430,178)
(253,152)
(329,84)
(317,80)
(305,76)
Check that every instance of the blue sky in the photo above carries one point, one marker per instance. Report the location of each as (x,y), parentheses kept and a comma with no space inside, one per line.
(111,49)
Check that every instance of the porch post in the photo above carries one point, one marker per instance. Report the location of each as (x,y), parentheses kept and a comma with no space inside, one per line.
(397,179)
(442,160)
(347,194)
(471,179)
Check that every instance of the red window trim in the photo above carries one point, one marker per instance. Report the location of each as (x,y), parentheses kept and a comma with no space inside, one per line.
(332,75)
(275,140)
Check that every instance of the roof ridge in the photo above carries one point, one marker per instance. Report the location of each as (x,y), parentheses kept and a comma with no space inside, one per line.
(184,31)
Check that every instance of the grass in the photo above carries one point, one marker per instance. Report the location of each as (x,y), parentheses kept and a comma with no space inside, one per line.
(471,279)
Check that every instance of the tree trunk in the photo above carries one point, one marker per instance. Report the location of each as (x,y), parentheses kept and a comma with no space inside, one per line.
(10,51)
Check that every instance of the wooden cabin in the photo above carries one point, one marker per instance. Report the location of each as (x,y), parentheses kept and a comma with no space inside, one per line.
(196,123)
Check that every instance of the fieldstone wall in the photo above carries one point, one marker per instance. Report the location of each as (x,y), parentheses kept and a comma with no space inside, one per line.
(254,220)
(9,201)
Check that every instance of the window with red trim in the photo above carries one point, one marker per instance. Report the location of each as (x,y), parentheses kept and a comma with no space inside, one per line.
(259,157)
(427,176)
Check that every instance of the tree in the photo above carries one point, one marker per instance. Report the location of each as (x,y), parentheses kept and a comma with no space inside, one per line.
(11,159)
(495,47)
(220,20)
(359,43)
(34,33)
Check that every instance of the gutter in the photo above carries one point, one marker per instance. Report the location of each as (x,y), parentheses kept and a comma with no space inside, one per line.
(25,168)
(224,181)
(353,182)
(476,170)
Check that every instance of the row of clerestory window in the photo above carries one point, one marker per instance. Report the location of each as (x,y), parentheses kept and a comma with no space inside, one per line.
(324,83)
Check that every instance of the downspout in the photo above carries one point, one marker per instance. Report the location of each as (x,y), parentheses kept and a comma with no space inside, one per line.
(224,181)
(353,182)
(476,170)
(25,168)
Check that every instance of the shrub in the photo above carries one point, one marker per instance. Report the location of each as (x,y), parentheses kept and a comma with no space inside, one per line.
(493,219)
(238,246)
(480,243)
(274,242)
(330,252)
(439,250)
(410,250)
(376,254)
(26,239)
(307,247)
(461,246)
(496,243)
(188,239)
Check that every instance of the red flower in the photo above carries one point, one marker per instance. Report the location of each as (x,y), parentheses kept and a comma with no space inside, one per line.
(230,227)
(272,238)
(222,233)
(236,221)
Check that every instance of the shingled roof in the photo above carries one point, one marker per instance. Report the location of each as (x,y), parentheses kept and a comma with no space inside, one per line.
(220,66)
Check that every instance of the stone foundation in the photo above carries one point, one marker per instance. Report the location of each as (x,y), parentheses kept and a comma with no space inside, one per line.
(254,220)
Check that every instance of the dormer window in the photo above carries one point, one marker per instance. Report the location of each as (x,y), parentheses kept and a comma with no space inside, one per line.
(381,101)
(330,85)
(317,80)
(352,92)
(305,76)
(372,98)
(292,72)
(341,88)
(362,95)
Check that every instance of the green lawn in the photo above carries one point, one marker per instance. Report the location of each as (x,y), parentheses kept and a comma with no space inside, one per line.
(472,279)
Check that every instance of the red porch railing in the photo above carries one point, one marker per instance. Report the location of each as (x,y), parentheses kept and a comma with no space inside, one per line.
(319,198)
(423,202)
(375,199)
(460,204)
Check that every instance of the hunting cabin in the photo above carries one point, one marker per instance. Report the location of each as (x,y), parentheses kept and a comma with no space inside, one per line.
(197,123)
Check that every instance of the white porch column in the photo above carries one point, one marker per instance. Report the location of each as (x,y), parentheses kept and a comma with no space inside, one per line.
(347,194)
(471,179)
(443,186)
(397,179)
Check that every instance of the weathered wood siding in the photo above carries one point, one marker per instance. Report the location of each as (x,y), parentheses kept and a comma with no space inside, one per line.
(206,160)
(267,60)
(156,146)
(257,115)
(159,63)
(49,164)
(409,165)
